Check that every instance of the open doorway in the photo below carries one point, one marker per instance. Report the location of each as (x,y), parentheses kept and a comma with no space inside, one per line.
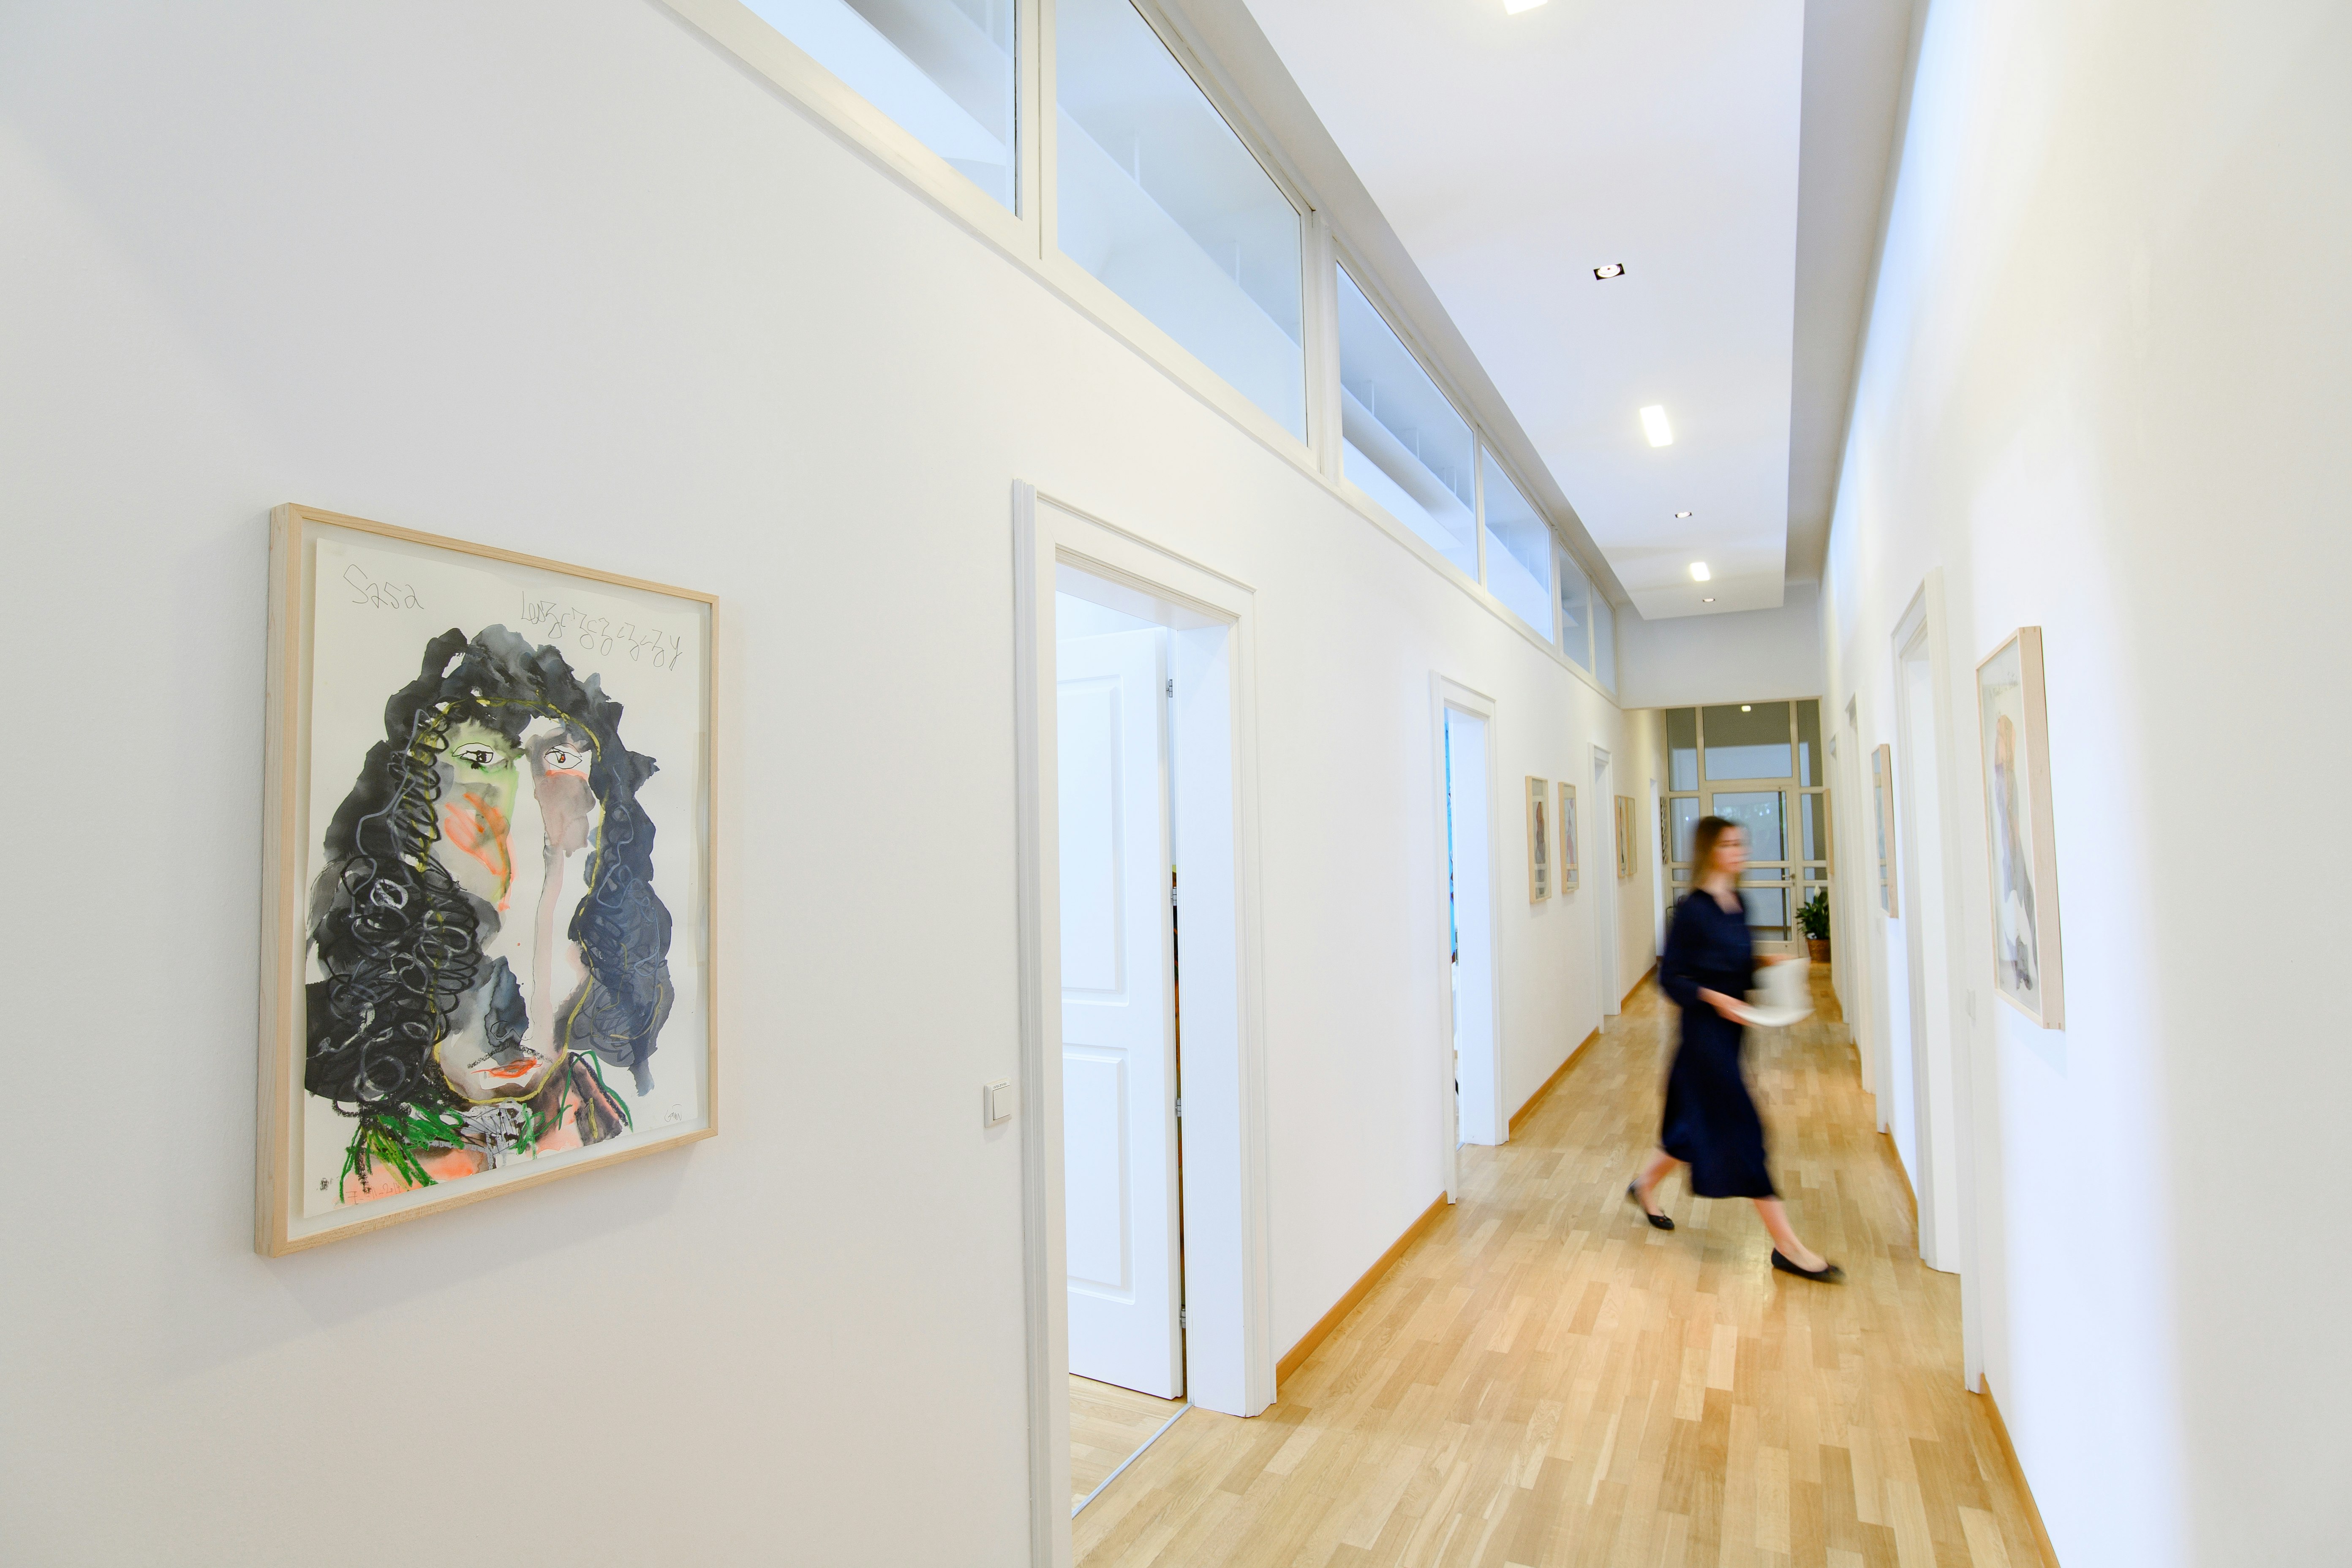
(1465,752)
(1121,1029)
(1604,920)
(1925,997)
(1142,1077)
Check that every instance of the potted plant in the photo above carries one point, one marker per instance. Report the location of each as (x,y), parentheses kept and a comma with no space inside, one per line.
(1814,914)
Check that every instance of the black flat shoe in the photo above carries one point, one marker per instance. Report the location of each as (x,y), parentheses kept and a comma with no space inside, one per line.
(1827,1274)
(1662,1222)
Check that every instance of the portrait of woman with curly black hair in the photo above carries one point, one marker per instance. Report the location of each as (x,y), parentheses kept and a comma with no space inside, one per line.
(490,958)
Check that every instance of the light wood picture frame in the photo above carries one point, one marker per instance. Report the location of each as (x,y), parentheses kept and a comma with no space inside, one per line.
(1629,843)
(489,920)
(2020,836)
(1569,873)
(1882,795)
(1539,877)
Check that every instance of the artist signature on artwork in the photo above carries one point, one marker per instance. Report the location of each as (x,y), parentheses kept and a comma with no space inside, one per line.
(601,634)
(367,590)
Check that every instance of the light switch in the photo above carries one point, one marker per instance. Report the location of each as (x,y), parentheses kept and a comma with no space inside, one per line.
(996,1101)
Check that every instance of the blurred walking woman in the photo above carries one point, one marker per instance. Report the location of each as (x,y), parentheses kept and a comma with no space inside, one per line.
(1711,1124)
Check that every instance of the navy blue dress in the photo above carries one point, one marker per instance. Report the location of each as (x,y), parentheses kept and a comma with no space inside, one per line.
(1711,1122)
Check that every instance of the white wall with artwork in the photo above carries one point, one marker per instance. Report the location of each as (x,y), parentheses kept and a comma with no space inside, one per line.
(567,282)
(2122,442)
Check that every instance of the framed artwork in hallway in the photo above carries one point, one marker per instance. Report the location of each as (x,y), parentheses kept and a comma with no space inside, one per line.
(1629,856)
(1882,805)
(1567,857)
(1538,839)
(2012,709)
(487,875)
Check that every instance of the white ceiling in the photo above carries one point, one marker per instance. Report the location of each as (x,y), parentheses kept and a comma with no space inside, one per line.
(1511,155)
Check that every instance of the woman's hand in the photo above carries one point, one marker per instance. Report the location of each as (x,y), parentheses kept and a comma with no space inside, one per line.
(1730,1008)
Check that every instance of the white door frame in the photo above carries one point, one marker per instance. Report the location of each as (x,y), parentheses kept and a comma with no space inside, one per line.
(1656,823)
(1935,934)
(1229,1348)
(1443,694)
(1604,798)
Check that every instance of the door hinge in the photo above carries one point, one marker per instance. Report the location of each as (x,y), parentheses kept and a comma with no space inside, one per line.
(1180,1105)
(1180,1316)
(1171,686)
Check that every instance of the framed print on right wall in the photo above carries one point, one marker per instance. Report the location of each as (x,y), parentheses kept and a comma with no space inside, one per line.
(2012,709)
(1882,798)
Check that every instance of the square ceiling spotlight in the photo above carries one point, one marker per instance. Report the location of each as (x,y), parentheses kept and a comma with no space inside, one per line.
(1655,425)
(1513,7)
(1699,574)
(1615,269)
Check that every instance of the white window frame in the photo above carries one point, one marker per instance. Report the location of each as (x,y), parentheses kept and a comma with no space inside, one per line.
(1026,237)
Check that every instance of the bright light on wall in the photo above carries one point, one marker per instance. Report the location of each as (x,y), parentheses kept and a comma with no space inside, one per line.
(1653,425)
(1699,572)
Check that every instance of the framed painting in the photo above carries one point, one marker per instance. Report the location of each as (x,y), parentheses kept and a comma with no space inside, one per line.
(1568,856)
(1629,854)
(487,906)
(2012,709)
(1538,840)
(1881,796)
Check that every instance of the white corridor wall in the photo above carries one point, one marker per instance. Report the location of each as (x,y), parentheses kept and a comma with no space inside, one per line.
(2103,389)
(566,279)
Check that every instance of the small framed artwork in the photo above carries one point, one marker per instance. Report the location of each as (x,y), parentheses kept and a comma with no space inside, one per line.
(2014,710)
(1538,840)
(1568,856)
(487,909)
(1629,844)
(1882,795)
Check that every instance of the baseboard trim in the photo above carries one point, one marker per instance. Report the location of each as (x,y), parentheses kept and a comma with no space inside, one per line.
(2017,1472)
(1536,1100)
(1894,1158)
(1294,1358)
(1647,975)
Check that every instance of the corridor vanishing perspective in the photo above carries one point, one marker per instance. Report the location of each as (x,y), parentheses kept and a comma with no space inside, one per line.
(1545,1381)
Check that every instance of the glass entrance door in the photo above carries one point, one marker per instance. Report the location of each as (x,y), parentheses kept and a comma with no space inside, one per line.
(1759,764)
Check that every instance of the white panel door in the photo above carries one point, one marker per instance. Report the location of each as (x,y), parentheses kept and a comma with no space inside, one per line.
(1118,1014)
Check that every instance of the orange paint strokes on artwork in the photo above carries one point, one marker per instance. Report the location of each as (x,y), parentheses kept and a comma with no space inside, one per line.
(442,1164)
(565,1137)
(479,829)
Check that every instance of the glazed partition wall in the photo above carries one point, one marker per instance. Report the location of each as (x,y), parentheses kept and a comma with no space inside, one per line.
(1087,138)
(1759,764)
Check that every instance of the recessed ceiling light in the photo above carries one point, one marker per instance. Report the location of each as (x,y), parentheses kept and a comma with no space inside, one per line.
(1708,600)
(1682,514)
(1655,425)
(1744,708)
(1513,7)
(1615,269)
(1699,572)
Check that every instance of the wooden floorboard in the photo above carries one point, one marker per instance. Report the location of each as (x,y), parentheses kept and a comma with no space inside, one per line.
(1543,1381)
(1107,1425)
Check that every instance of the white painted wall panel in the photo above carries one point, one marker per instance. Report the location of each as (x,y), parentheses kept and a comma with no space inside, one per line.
(2103,390)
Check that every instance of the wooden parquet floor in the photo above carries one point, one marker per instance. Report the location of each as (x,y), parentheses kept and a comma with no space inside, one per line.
(1545,1381)
(1107,1423)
